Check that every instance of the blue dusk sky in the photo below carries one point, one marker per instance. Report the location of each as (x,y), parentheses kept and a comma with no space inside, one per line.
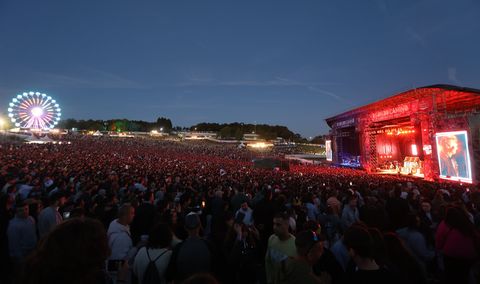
(290,63)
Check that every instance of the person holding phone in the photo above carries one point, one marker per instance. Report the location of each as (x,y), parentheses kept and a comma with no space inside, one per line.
(244,214)
(242,249)
(50,217)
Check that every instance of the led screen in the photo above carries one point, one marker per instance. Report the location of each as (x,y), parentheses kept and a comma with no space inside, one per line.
(328,150)
(453,156)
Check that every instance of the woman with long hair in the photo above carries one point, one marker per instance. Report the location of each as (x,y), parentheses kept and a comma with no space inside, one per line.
(457,240)
(243,253)
(402,262)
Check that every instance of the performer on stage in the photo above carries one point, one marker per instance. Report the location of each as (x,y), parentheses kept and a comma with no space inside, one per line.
(453,160)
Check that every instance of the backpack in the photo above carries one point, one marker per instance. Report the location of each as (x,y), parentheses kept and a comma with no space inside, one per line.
(151,273)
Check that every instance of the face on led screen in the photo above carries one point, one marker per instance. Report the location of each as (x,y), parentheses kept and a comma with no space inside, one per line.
(454,156)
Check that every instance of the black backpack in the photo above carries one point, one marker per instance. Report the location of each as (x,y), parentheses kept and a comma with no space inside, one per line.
(151,273)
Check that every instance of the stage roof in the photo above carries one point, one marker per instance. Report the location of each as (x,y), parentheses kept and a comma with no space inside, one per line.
(448,98)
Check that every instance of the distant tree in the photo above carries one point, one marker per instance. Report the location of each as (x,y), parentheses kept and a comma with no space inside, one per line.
(136,126)
(237,129)
(164,123)
(205,126)
(68,123)
(226,132)
(94,125)
(238,134)
(318,139)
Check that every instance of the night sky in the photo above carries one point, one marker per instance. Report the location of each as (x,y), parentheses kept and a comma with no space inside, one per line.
(291,63)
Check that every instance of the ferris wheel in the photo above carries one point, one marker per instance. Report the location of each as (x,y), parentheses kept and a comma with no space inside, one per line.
(34,110)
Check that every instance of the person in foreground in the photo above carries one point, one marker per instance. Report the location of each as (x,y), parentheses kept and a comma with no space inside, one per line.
(299,269)
(360,246)
(74,252)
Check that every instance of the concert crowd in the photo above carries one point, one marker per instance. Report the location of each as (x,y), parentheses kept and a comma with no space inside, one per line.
(101,210)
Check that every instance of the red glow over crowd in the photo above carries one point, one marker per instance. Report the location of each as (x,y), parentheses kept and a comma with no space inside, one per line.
(103,210)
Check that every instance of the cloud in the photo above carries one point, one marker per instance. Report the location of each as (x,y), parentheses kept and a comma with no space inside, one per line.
(180,105)
(276,82)
(452,76)
(330,94)
(95,79)
(416,37)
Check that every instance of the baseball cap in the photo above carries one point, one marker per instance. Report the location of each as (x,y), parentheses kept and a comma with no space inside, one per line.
(192,221)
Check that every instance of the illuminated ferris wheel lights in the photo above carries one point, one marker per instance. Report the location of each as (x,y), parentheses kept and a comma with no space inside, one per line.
(34,110)
(37,111)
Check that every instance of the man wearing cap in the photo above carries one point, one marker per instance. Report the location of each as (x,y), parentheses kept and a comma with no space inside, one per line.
(49,217)
(194,255)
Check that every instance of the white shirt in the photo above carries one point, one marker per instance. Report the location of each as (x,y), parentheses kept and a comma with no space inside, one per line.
(120,241)
(141,262)
(47,220)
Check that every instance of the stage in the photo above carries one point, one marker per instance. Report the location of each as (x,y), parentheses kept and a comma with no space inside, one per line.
(394,172)
(430,132)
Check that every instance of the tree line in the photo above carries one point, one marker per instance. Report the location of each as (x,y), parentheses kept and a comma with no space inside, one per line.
(118,125)
(234,130)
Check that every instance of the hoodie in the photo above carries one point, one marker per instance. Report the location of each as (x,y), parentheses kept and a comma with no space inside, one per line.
(120,241)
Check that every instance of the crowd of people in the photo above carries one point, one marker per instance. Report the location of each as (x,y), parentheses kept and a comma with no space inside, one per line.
(101,210)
